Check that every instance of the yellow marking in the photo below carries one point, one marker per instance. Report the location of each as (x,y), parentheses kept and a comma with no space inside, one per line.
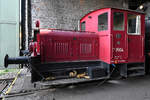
(9,89)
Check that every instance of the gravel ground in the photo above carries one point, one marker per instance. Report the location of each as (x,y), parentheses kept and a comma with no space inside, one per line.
(130,89)
(8,75)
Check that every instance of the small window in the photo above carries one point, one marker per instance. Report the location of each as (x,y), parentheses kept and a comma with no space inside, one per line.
(103,22)
(83,26)
(134,24)
(118,21)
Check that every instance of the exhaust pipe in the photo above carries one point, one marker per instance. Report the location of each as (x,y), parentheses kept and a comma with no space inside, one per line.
(15,60)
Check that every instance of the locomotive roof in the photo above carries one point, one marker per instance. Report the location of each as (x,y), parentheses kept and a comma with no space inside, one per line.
(124,9)
(128,10)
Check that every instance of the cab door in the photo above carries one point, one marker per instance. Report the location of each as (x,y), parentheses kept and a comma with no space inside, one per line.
(119,36)
(135,38)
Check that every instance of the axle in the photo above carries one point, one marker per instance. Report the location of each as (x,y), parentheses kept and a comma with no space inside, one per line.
(15,60)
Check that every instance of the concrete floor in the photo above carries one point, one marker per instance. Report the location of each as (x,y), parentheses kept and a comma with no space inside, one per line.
(137,88)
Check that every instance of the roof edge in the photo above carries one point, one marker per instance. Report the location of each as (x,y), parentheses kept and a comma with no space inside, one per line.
(137,11)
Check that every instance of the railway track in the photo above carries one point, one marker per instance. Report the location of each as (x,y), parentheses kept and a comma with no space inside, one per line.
(46,87)
(4,83)
(23,93)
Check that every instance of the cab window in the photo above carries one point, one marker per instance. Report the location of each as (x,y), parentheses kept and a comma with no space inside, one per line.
(103,22)
(118,22)
(83,26)
(134,24)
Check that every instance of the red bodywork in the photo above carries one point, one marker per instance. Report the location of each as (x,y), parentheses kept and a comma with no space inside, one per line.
(63,46)
(130,48)
(110,45)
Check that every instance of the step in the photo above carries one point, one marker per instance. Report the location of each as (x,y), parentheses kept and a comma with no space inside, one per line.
(136,68)
(137,74)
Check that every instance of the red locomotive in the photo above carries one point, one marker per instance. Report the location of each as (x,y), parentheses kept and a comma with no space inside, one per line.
(109,37)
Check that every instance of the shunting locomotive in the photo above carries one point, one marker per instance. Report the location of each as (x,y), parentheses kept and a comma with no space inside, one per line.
(108,38)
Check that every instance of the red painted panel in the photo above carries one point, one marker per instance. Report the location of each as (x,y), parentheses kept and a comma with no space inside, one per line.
(91,24)
(136,42)
(136,51)
(105,50)
(119,38)
(68,46)
(88,48)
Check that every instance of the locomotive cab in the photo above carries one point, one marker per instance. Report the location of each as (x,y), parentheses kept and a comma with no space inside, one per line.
(121,38)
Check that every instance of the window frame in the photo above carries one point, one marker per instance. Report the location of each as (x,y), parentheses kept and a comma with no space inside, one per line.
(123,21)
(139,24)
(84,26)
(98,28)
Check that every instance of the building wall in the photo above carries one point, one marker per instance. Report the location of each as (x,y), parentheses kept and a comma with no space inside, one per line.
(9,29)
(65,14)
(147,4)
